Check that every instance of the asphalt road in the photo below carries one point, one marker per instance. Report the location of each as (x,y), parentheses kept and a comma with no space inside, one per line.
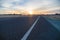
(15,28)
(44,30)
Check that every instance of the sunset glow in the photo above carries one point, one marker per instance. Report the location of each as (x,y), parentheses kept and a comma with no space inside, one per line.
(30,12)
(29,6)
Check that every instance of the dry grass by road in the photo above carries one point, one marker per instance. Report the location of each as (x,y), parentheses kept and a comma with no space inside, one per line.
(55,17)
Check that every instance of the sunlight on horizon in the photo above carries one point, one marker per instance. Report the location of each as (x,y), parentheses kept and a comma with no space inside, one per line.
(30,12)
(29,6)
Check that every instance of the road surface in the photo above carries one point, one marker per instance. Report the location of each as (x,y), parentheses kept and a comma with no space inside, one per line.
(15,28)
(44,30)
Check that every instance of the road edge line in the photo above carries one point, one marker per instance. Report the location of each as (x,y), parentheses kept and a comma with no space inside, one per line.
(30,29)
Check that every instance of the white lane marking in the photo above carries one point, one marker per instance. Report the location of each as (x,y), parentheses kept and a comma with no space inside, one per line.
(29,31)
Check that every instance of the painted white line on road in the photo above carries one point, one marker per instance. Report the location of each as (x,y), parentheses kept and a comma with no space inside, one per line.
(29,31)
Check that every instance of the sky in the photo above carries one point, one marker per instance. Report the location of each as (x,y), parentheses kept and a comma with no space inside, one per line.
(29,4)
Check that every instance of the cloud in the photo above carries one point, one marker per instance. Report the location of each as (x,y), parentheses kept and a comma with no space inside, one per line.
(28,4)
(7,5)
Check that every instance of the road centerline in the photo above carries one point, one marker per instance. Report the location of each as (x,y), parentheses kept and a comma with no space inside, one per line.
(30,29)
